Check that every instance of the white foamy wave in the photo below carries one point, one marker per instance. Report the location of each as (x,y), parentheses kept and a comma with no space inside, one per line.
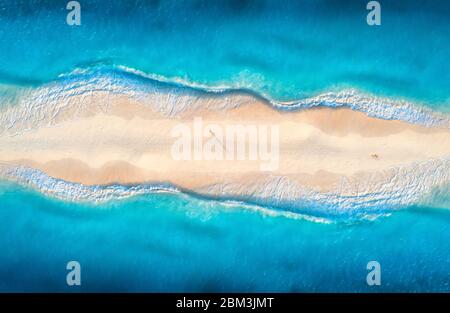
(275,196)
(275,213)
(77,192)
(349,98)
(90,90)
(68,191)
(363,195)
(373,106)
(87,92)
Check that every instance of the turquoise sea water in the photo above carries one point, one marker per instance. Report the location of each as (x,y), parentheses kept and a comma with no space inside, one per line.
(170,242)
(284,50)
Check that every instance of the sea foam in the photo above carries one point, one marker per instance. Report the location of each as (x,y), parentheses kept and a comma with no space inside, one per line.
(364,199)
(43,105)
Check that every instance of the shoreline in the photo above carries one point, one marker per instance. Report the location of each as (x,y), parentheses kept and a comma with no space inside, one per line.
(52,98)
(282,194)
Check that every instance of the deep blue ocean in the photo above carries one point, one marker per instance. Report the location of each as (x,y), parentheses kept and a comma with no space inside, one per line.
(284,50)
(167,242)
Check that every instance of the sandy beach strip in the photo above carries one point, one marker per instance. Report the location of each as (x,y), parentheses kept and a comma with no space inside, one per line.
(131,142)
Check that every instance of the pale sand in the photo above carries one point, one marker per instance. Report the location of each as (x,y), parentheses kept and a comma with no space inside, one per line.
(131,143)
